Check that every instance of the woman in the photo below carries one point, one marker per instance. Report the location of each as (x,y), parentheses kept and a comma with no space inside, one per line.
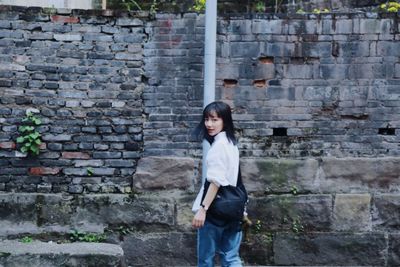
(214,235)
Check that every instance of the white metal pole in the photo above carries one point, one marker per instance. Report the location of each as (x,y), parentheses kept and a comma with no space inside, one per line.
(210,44)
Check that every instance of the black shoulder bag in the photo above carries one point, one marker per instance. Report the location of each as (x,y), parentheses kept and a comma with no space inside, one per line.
(229,203)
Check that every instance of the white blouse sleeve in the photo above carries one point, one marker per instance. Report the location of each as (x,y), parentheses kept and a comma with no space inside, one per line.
(217,164)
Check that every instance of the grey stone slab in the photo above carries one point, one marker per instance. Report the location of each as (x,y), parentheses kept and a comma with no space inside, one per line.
(294,213)
(359,174)
(280,175)
(385,211)
(164,173)
(351,212)
(15,253)
(41,213)
(178,249)
(348,249)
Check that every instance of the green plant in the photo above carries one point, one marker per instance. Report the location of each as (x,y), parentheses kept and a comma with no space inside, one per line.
(123,230)
(153,7)
(199,5)
(390,7)
(260,6)
(319,11)
(300,11)
(258,227)
(294,190)
(89,171)
(49,10)
(29,138)
(26,239)
(77,236)
(297,226)
(269,238)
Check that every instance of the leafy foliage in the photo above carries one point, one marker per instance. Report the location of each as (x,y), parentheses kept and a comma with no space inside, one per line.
(390,7)
(26,239)
(199,5)
(260,6)
(319,11)
(77,236)
(30,138)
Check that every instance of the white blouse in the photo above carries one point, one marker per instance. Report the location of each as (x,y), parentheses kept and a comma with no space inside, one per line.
(222,165)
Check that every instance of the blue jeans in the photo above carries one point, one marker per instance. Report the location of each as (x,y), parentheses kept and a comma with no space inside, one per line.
(224,240)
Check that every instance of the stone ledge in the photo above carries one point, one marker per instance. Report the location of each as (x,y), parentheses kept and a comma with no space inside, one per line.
(14,253)
(321,175)
(46,213)
(349,249)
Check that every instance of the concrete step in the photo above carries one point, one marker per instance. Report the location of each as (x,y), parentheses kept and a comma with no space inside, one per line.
(14,253)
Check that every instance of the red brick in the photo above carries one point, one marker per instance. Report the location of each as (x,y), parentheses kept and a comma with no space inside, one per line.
(7,145)
(43,171)
(64,19)
(75,155)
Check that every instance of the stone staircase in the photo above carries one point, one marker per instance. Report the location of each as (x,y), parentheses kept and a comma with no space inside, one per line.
(14,253)
(48,220)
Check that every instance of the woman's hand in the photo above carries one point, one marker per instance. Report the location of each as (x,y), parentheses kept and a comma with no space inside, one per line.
(199,218)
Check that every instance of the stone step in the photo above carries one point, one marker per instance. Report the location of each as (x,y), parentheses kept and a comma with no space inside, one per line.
(14,253)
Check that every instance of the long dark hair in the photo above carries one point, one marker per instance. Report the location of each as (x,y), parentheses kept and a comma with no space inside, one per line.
(223,111)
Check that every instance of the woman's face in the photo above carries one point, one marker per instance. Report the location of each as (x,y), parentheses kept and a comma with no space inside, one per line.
(214,124)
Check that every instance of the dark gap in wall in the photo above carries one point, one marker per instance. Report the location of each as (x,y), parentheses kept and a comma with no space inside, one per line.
(274,82)
(387,131)
(335,49)
(297,60)
(355,117)
(260,83)
(266,60)
(144,79)
(279,131)
(229,83)
(303,60)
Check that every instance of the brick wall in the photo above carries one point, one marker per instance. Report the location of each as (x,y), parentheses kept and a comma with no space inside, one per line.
(83,74)
(112,89)
(315,101)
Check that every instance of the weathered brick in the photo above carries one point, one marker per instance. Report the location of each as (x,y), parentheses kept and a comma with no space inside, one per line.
(43,171)
(75,155)
(107,155)
(7,145)
(129,22)
(64,19)
(68,37)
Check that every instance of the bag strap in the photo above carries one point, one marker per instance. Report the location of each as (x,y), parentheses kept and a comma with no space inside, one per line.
(239,180)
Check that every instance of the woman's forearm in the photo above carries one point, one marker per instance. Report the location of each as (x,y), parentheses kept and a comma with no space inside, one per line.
(210,195)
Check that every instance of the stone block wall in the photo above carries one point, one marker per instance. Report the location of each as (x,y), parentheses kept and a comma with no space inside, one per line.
(315,101)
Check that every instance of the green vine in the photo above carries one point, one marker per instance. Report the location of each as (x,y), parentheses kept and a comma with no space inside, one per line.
(30,138)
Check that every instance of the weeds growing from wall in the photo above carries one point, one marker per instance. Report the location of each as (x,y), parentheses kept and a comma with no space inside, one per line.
(30,138)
